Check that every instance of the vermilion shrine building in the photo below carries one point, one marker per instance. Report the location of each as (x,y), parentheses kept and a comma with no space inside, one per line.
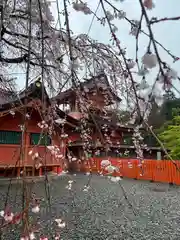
(106,137)
(86,102)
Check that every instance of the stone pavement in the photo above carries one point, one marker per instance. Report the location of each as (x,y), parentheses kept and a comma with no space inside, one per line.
(129,210)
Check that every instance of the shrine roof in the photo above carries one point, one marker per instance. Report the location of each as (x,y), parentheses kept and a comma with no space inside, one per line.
(10,99)
(96,82)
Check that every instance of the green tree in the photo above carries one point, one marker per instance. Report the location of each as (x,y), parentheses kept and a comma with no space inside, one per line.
(171,137)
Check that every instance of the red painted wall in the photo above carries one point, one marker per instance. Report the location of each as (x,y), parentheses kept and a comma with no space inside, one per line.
(10,154)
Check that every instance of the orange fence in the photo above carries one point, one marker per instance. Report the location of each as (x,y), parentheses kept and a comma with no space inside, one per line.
(153,170)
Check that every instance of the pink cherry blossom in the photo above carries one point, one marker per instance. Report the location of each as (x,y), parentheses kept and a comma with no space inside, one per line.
(148,4)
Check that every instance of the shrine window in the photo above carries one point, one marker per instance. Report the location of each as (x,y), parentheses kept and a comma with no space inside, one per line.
(127,140)
(10,137)
(40,139)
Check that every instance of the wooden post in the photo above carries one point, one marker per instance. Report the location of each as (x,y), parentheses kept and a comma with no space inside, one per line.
(26,142)
(18,172)
(40,172)
(63,150)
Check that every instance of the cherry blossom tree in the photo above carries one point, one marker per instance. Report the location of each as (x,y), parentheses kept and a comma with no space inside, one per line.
(32,41)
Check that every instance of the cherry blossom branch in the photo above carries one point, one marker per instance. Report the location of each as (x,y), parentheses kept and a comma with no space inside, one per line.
(175,58)
(137,39)
(69,44)
(124,59)
(155,20)
(151,35)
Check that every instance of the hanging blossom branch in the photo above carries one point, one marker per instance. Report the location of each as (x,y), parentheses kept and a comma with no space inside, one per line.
(15,39)
(175,58)
(127,62)
(128,65)
(149,60)
(167,74)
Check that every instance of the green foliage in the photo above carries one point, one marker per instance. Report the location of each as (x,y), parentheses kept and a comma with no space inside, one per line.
(170,136)
(176,112)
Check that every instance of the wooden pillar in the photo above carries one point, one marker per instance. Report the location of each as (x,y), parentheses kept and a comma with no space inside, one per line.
(63,150)
(40,172)
(27,147)
(83,165)
(73,105)
(18,172)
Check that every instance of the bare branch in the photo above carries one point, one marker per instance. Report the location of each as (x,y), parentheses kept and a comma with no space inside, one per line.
(155,20)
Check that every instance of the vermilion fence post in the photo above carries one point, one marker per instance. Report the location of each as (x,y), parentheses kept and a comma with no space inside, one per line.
(145,171)
(162,172)
(129,168)
(98,164)
(117,162)
(175,171)
(95,164)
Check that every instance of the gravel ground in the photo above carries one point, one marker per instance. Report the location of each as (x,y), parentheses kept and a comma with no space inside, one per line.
(129,210)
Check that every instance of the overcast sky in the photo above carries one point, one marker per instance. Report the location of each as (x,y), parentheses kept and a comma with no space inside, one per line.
(168,33)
